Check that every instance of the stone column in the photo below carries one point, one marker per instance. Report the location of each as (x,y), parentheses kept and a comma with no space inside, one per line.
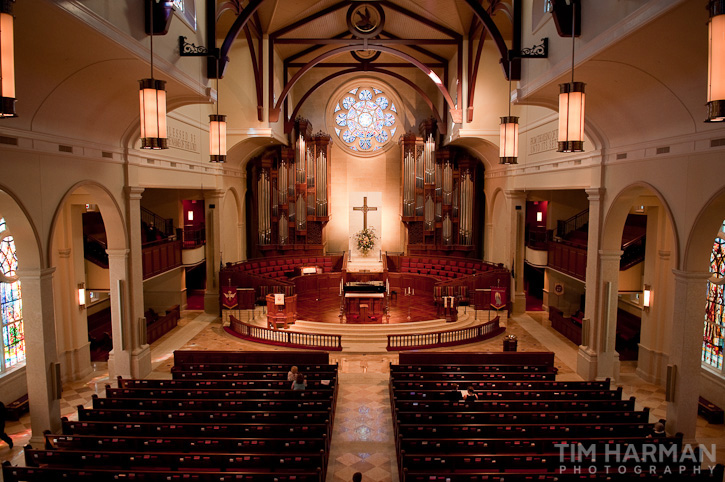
(685,351)
(40,350)
(606,328)
(119,359)
(587,356)
(517,205)
(140,351)
(487,240)
(213,206)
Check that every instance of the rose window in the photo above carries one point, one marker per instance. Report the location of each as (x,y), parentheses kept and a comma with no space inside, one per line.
(365,119)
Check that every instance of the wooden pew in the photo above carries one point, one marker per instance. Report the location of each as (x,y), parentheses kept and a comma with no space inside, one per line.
(512,405)
(52,474)
(279,358)
(185,429)
(523,431)
(528,476)
(177,461)
(255,376)
(541,446)
(221,405)
(223,384)
(516,394)
(255,367)
(310,445)
(201,416)
(501,385)
(288,394)
(538,417)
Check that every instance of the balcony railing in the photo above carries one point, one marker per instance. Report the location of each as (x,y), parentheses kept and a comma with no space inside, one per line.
(193,238)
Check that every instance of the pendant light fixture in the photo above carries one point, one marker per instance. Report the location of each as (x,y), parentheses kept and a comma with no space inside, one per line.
(509,134)
(152,97)
(217,129)
(571,104)
(7,60)
(716,62)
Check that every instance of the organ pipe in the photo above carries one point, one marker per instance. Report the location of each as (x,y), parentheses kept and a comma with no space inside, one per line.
(310,168)
(429,155)
(301,214)
(300,160)
(283,229)
(466,223)
(429,214)
(409,184)
(321,183)
(447,184)
(447,230)
(282,182)
(263,208)
(419,168)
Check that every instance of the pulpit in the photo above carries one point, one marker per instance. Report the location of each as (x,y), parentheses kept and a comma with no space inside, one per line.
(281,315)
(450,308)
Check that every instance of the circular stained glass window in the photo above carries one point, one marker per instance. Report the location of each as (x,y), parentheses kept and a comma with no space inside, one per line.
(365,119)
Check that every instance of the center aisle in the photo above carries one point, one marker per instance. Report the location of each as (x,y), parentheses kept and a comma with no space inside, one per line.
(362,438)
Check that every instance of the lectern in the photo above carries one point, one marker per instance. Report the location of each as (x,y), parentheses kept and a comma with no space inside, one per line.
(281,315)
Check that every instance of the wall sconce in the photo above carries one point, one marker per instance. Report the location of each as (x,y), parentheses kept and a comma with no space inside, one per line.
(152,97)
(81,296)
(716,62)
(646,297)
(190,215)
(539,217)
(7,61)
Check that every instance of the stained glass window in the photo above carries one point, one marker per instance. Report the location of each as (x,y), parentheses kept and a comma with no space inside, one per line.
(714,329)
(11,304)
(365,119)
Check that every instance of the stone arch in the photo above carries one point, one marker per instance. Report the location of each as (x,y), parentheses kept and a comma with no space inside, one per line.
(704,230)
(661,257)
(27,239)
(38,319)
(72,324)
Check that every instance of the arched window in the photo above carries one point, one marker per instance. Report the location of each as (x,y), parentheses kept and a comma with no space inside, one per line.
(712,343)
(11,304)
(365,118)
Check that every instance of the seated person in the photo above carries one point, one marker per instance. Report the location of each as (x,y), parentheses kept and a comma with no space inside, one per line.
(292,374)
(300,383)
(471,394)
(455,394)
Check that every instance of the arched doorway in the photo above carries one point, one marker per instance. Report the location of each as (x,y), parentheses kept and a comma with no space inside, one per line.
(639,251)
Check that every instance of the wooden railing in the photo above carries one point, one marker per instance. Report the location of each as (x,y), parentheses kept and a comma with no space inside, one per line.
(461,336)
(159,258)
(566,226)
(289,339)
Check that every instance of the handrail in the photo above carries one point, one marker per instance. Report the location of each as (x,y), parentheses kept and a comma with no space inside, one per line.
(461,336)
(290,339)
(564,227)
(166,226)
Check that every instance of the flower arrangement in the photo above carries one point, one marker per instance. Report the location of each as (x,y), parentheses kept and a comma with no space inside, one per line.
(365,239)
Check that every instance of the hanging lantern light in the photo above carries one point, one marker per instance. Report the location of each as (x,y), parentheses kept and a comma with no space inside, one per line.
(509,140)
(571,104)
(7,61)
(218,138)
(571,116)
(716,62)
(152,98)
(217,128)
(509,133)
(153,114)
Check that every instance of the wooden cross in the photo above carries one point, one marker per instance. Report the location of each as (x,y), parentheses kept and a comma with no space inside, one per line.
(365,208)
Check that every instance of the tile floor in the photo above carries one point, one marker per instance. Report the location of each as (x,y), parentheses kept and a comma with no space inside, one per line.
(362,437)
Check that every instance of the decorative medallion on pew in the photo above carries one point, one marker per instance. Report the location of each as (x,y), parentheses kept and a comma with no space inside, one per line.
(499,299)
(230,299)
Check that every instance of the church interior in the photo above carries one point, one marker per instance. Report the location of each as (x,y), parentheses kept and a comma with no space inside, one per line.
(356,187)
